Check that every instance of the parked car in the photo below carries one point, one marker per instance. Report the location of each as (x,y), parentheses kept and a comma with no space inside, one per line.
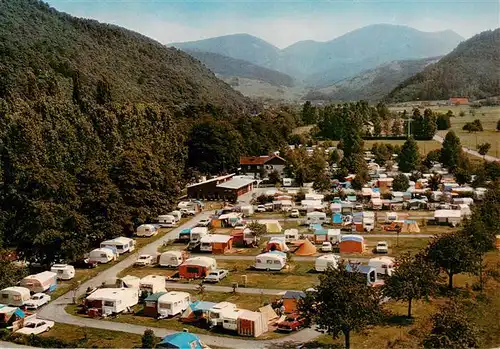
(204,222)
(327,246)
(382,247)
(187,212)
(84,264)
(216,275)
(36,326)
(292,322)
(144,259)
(261,208)
(294,213)
(37,300)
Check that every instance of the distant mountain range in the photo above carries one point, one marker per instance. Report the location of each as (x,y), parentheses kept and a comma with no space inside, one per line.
(227,67)
(471,70)
(321,64)
(373,84)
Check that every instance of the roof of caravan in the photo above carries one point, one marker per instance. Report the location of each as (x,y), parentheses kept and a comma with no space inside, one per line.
(250,315)
(329,257)
(102,249)
(118,240)
(216,238)
(271,254)
(363,269)
(173,296)
(152,278)
(16,289)
(42,277)
(173,252)
(447,213)
(110,293)
(201,261)
(181,340)
(61,267)
(294,295)
(222,305)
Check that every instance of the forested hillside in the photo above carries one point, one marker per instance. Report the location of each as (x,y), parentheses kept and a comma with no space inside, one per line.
(373,84)
(42,50)
(100,130)
(471,70)
(229,67)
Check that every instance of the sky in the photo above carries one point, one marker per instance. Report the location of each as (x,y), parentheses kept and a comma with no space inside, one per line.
(280,22)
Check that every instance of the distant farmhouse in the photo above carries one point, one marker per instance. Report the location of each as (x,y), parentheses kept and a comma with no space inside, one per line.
(458,101)
(255,164)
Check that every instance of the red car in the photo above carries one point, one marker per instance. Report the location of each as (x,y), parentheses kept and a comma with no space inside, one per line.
(293,322)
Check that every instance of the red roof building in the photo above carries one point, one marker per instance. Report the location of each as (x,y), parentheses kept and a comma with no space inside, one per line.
(458,100)
(254,164)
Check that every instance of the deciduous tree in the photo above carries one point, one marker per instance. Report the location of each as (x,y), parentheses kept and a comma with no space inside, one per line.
(400,183)
(451,151)
(414,279)
(341,303)
(409,158)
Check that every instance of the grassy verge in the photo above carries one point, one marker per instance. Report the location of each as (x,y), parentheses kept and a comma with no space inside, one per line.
(94,337)
(396,248)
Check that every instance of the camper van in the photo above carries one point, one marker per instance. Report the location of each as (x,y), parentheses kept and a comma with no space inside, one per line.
(216,314)
(171,259)
(146,230)
(287,182)
(197,233)
(120,244)
(113,300)
(286,205)
(102,255)
(230,319)
(291,235)
(14,296)
(274,260)
(173,303)
(323,262)
(368,224)
(206,243)
(63,271)
(316,218)
(383,265)
(41,282)
(152,284)
(247,211)
(167,221)
(177,215)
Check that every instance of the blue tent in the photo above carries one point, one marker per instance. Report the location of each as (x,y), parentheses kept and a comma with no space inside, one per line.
(180,340)
(337,218)
(315,227)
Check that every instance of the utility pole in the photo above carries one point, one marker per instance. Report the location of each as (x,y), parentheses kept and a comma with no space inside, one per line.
(409,128)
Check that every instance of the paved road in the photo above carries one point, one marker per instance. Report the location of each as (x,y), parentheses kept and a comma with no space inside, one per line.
(13,345)
(226,289)
(472,152)
(368,235)
(55,310)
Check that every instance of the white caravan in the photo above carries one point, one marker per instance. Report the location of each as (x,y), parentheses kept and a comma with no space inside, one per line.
(171,259)
(215,315)
(383,265)
(173,303)
(152,284)
(114,300)
(323,262)
(63,271)
(291,235)
(102,255)
(270,261)
(14,296)
(121,244)
(146,230)
(316,218)
(167,221)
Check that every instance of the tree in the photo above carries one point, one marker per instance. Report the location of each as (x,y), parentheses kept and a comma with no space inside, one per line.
(11,274)
(334,157)
(322,182)
(341,303)
(359,181)
(451,151)
(414,279)
(400,183)
(434,181)
(274,177)
(308,113)
(498,125)
(452,329)
(443,122)
(257,229)
(148,339)
(397,127)
(452,253)
(432,157)
(483,148)
(409,158)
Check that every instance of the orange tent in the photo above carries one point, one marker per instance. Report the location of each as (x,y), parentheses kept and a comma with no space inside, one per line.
(306,249)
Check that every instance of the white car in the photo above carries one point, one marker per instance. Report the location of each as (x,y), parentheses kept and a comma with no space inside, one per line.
(216,275)
(327,246)
(188,212)
(36,326)
(295,213)
(261,208)
(37,300)
(382,247)
(144,259)
(204,222)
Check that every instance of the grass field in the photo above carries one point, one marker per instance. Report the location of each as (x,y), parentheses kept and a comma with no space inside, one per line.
(412,245)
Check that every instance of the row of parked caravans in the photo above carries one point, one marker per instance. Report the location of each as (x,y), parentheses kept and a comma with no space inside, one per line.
(17,296)
(383,265)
